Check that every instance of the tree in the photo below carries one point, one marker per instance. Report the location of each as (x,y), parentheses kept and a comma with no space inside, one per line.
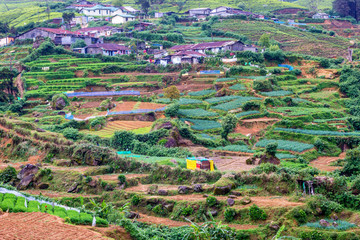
(352,165)
(7,81)
(271,148)
(117,3)
(347,8)
(264,40)
(172,92)
(68,16)
(145,5)
(79,44)
(228,125)
(314,4)
(172,110)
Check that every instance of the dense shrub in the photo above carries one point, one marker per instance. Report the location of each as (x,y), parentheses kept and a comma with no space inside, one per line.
(229,214)
(8,174)
(257,213)
(211,201)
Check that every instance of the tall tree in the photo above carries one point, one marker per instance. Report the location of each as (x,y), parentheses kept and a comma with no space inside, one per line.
(228,125)
(7,81)
(68,16)
(145,5)
(347,8)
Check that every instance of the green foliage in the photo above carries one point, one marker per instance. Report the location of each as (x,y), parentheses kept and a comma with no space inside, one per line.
(352,166)
(238,102)
(122,140)
(242,114)
(71,133)
(319,132)
(229,214)
(172,92)
(188,210)
(270,148)
(264,40)
(262,85)
(341,225)
(196,113)
(122,179)
(211,201)
(299,215)
(135,200)
(326,206)
(251,106)
(236,148)
(228,125)
(201,125)
(257,213)
(172,110)
(285,145)
(8,174)
(160,210)
(276,93)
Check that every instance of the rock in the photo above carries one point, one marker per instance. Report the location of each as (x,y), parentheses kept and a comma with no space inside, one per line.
(269,159)
(152,201)
(26,176)
(166,125)
(73,188)
(36,120)
(334,217)
(169,207)
(324,223)
(335,224)
(152,189)
(222,190)
(198,188)
(162,192)
(60,104)
(245,201)
(213,213)
(132,215)
(63,162)
(274,226)
(235,193)
(43,186)
(40,130)
(184,189)
(92,183)
(232,196)
(230,202)
(61,113)
(205,195)
(171,142)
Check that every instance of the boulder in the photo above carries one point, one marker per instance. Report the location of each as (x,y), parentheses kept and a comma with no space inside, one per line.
(171,142)
(63,162)
(198,188)
(60,104)
(163,192)
(222,190)
(169,206)
(235,193)
(324,223)
(26,176)
(73,188)
(62,113)
(274,226)
(230,202)
(213,213)
(152,189)
(232,196)
(36,120)
(335,224)
(43,186)
(92,183)
(245,201)
(184,189)
(40,130)
(132,215)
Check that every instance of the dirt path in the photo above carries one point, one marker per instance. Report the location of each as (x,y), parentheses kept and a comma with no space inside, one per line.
(139,74)
(33,226)
(172,223)
(249,127)
(323,163)
(114,177)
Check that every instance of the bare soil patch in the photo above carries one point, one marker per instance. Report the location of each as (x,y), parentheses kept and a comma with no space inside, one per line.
(323,163)
(232,163)
(42,226)
(249,127)
(144,188)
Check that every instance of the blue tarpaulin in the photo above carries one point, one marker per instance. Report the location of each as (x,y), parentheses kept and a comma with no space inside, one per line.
(210,72)
(286,66)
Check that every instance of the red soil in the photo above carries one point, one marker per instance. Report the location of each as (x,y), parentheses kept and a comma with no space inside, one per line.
(232,163)
(41,226)
(323,163)
(149,105)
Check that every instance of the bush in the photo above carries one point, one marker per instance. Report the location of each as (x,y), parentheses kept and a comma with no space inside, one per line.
(211,201)
(299,215)
(297,72)
(71,133)
(187,211)
(172,110)
(158,209)
(271,148)
(135,200)
(251,106)
(257,213)
(8,174)
(122,179)
(229,214)
(325,63)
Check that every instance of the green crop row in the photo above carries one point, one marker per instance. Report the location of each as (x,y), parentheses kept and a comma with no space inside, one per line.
(286,145)
(276,93)
(12,203)
(237,87)
(319,132)
(202,125)
(221,99)
(234,104)
(196,113)
(299,111)
(187,101)
(242,114)
(225,79)
(201,93)
(236,148)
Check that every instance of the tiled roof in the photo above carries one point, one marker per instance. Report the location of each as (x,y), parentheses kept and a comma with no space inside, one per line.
(103,28)
(109,46)
(190,53)
(59,31)
(84,5)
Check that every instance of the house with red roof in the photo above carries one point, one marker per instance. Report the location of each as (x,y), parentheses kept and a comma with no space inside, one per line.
(58,36)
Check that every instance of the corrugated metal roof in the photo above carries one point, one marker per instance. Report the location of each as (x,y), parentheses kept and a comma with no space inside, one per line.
(202,46)
(109,46)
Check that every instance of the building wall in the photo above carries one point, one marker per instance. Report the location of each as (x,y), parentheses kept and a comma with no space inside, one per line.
(120,20)
(90,50)
(97,12)
(32,34)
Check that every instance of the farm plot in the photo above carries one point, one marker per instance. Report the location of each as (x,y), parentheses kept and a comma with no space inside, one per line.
(237,87)
(201,93)
(247,113)
(276,93)
(114,126)
(319,132)
(216,100)
(286,145)
(196,113)
(201,125)
(300,111)
(234,104)
(236,148)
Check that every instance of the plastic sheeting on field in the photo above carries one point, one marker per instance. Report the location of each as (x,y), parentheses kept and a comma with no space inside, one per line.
(286,66)
(100,94)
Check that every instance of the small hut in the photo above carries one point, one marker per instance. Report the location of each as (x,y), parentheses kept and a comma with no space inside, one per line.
(199,163)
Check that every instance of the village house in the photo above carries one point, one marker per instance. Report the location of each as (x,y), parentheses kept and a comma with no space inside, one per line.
(321,16)
(58,36)
(129,10)
(103,31)
(228,11)
(6,41)
(82,20)
(122,18)
(108,49)
(199,13)
(214,47)
(191,57)
(101,11)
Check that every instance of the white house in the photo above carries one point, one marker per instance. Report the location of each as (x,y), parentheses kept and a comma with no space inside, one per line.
(321,16)
(122,18)
(6,41)
(101,11)
(199,12)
